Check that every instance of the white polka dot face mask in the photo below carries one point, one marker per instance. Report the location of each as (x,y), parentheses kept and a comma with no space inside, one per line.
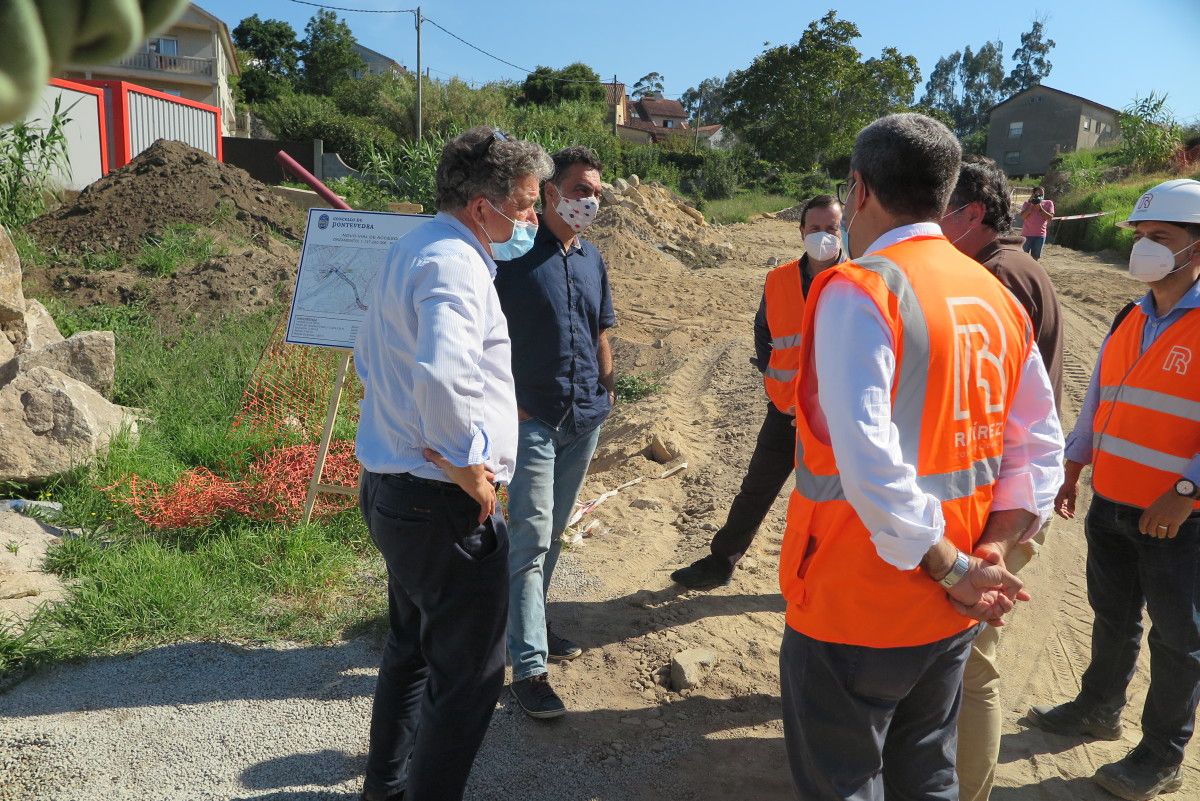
(578,213)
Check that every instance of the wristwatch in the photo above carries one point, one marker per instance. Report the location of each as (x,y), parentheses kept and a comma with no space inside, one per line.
(1187,488)
(962,564)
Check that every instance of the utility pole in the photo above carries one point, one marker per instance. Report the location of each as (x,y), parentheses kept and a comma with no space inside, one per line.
(420,75)
(620,99)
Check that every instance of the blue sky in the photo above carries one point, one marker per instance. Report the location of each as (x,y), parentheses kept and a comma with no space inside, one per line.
(1107,50)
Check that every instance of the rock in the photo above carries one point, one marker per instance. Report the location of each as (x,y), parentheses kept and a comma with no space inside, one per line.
(40,329)
(650,504)
(688,668)
(634,180)
(620,186)
(695,215)
(89,356)
(773,261)
(662,450)
(12,298)
(635,195)
(607,195)
(8,361)
(53,422)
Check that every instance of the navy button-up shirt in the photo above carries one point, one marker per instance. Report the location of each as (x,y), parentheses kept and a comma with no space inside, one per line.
(557,303)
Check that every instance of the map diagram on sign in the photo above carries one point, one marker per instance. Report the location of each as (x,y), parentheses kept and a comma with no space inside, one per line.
(342,256)
(339,279)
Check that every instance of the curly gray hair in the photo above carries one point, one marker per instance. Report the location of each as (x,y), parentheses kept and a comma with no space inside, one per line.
(483,161)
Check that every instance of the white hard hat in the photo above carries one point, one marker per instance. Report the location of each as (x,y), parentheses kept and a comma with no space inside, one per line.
(1175,201)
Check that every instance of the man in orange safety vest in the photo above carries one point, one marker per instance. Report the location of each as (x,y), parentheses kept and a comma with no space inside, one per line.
(926,430)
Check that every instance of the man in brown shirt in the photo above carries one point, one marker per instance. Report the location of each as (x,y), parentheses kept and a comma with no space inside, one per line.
(978,221)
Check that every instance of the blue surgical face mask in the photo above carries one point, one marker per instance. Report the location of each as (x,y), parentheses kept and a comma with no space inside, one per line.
(518,244)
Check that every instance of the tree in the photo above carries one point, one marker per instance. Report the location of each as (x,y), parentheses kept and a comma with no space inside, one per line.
(1032,62)
(328,53)
(965,85)
(706,102)
(270,55)
(549,87)
(649,84)
(802,105)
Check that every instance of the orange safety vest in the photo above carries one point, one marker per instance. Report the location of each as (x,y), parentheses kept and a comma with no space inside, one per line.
(785,316)
(1147,424)
(961,340)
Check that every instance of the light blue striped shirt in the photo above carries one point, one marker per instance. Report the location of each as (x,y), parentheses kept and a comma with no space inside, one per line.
(435,359)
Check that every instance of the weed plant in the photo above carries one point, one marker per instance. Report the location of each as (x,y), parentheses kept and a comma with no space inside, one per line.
(744,205)
(636,386)
(132,587)
(180,245)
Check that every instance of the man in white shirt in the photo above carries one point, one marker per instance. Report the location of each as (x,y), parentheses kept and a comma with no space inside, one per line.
(927,446)
(438,432)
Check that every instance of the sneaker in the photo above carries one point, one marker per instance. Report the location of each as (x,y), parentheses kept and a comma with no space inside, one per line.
(704,574)
(537,697)
(1075,719)
(560,648)
(1138,776)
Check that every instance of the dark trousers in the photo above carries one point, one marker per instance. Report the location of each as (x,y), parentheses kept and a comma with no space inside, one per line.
(872,723)
(1127,571)
(443,662)
(772,463)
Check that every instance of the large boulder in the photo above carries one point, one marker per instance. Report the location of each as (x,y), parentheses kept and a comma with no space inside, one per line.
(89,356)
(12,299)
(8,361)
(39,328)
(53,422)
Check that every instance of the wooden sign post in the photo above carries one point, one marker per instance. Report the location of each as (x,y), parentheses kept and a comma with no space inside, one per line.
(315,486)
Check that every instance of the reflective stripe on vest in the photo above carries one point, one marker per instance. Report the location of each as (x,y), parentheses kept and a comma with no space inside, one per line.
(909,400)
(1146,429)
(784,295)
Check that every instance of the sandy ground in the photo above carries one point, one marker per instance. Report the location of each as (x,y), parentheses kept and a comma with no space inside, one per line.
(218,721)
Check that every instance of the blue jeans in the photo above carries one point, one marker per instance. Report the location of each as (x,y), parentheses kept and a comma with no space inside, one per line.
(551,466)
(1126,571)
(1033,246)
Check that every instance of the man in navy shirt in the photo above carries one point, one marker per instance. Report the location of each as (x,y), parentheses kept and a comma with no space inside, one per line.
(557,302)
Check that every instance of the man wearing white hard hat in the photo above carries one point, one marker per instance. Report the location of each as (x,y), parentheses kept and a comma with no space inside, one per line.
(1139,428)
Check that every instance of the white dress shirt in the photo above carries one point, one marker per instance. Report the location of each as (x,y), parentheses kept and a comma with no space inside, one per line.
(855,360)
(435,359)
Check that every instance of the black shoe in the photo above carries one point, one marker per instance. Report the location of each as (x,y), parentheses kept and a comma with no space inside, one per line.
(560,648)
(704,574)
(1076,720)
(369,796)
(537,697)
(1138,776)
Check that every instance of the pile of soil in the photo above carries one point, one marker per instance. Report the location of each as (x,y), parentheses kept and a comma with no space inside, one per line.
(168,183)
(651,215)
(256,237)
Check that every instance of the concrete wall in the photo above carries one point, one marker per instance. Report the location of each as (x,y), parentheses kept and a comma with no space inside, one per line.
(1050,124)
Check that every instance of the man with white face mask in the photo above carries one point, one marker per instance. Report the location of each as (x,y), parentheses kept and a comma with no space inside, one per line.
(559,309)
(979,223)
(777,347)
(1139,428)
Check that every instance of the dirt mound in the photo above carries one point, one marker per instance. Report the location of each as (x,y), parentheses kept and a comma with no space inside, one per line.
(168,183)
(637,214)
(242,239)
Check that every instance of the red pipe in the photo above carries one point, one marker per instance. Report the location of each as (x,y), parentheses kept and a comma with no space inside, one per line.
(290,165)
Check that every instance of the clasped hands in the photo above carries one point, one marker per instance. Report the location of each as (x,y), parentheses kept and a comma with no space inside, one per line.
(988,591)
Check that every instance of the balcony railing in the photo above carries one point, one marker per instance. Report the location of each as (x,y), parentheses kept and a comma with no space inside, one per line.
(156,62)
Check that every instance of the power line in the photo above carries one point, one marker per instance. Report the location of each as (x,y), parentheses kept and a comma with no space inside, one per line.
(477,47)
(358,10)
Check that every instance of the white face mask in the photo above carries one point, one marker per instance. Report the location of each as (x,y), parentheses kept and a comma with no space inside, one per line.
(1150,261)
(821,246)
(578,213)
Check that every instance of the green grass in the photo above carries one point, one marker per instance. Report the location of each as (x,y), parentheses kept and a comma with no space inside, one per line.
(180,245)
(744,205)
(101,260)
(133,587)
(29,250)
(635,386)
(1102,233)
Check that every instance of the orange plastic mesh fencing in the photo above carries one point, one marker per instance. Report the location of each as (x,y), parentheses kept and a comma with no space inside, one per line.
(286,400)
